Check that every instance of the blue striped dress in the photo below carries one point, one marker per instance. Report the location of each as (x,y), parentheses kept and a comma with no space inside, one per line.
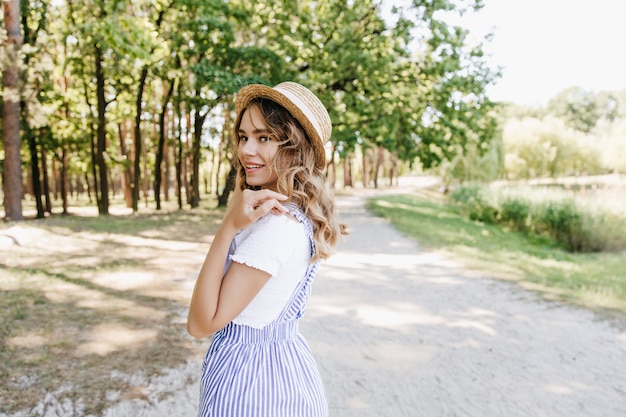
(267,372)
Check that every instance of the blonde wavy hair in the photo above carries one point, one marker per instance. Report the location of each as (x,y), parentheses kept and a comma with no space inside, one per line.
(298,177)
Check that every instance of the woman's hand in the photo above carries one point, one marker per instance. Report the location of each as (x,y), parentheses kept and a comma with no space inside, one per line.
(216,299)
(248,206)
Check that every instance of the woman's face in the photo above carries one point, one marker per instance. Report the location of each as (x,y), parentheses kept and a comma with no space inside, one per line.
(256,149)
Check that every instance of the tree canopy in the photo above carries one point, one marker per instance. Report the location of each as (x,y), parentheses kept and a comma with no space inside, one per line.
(115,92)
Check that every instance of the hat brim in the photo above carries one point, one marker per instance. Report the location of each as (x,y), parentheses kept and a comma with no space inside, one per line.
(253,91)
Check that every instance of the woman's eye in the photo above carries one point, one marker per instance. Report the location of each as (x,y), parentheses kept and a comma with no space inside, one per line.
(264,139)
(243,139)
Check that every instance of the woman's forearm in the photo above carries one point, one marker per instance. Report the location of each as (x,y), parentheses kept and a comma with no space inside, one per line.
(204,301)
(245,208)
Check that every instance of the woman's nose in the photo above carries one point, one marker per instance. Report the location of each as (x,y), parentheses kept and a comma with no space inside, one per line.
(249,147)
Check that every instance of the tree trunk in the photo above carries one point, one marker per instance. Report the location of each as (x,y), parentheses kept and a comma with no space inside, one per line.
(34,166)
(347,171)
(166,185)
(367,169)
(380,159)
(331,168)
(145,179)
(223,146)
(161,147)
(137,161)
(126,172)
(103,206)
(186,158)
(231,178)
(393,170)
(89,190)
(13,185)
(195,152)
(56,175)
(178,160)
(46,180)
(64,163)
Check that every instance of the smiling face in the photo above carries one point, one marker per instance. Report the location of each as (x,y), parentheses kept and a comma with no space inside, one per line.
(256,149)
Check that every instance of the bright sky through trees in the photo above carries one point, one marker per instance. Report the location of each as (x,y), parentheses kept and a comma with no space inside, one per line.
(545,46)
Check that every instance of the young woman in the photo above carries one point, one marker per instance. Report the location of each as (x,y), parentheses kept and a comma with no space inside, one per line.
(256,279)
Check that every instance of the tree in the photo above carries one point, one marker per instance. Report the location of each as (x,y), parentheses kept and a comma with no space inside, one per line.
(582,109)
(386,88)
(138,113)
(548,147)
(12,173)
(129,78)
(218,64)
(459,116)
(34,18)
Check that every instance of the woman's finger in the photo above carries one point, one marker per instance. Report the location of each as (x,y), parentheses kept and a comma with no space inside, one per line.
(265,194)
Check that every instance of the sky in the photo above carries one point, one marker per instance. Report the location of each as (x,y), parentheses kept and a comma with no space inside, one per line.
(546,46)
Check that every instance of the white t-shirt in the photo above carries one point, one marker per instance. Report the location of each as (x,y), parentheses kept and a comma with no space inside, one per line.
(278,245)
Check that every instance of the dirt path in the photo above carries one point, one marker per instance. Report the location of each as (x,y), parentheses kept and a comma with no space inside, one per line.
(402,332)
(398,331)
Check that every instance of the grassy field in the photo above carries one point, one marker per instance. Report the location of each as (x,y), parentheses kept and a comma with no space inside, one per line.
(596,281)
(89,303)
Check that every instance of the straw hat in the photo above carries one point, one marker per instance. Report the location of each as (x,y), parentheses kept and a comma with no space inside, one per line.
(301,103)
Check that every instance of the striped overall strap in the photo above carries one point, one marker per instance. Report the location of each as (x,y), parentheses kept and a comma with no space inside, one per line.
(294,309)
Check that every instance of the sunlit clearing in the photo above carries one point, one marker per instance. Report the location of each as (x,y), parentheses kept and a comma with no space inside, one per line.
(107,338)
(63,292)
(403,262)
(400,315)
(124,280)
(28,341)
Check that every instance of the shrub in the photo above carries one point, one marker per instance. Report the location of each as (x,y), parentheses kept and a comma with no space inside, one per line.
(515,212)
(546,215)
(562,221)
(607,232)
(472,202)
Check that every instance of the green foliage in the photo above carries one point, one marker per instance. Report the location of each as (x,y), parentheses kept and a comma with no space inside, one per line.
(582,109)
(537,215)
(562,221)
(609,231)
(411,83)
(593,280)
(472,201)
(515,213)
(547,148)
(473,164)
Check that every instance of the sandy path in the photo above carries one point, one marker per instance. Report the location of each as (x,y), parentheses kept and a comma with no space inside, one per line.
(402,332)
(398,331)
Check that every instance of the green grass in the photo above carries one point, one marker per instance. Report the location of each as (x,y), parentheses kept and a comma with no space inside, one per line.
(82,296)
(596,281)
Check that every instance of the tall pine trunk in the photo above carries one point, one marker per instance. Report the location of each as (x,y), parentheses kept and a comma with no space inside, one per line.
(194,200)
(178,159)
(103,183)
(46,180)
(161,147)
(137,163)
(126,171)
(13,186)
(35,172)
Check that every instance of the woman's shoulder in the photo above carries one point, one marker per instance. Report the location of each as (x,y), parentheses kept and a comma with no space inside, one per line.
(287,222)
(273,236)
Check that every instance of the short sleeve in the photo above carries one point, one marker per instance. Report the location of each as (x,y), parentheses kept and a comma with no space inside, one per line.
(268,243)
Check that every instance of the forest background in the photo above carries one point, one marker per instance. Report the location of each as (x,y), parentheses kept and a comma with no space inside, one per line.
(133,99)
(115,106)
